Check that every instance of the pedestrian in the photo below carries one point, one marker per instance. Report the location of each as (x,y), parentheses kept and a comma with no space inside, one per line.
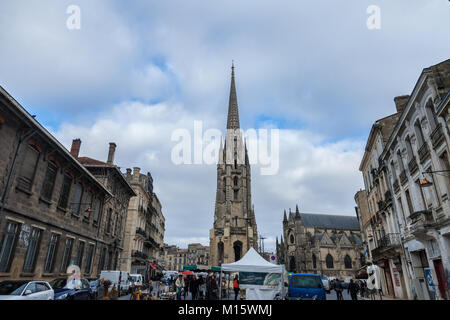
(353,289)
(338,288)
(194,287)
(202,285)
(179,283)
(236,286)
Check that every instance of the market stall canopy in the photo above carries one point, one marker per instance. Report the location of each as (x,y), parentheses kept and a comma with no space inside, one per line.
(252,262)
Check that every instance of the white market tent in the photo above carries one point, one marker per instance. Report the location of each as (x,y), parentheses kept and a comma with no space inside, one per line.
(252,262)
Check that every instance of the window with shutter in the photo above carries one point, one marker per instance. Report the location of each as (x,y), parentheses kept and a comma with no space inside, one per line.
(66,255)
(51,252)
(65,191)
(87,267)
(80,254)
(49,182)
(77,199)
(32,250)
(8,244)
(28,169)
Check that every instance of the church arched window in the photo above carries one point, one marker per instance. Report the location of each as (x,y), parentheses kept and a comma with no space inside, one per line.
(314,262)
(235,181)
(291,238)
(348,262)
(329,261)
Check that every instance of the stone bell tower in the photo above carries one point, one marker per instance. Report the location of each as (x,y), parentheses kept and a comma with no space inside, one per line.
(234,230)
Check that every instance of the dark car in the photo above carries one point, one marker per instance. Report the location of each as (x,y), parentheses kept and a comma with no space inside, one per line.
(75,289)
(303,286)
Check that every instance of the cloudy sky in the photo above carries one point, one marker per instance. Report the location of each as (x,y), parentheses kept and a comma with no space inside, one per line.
(138,70)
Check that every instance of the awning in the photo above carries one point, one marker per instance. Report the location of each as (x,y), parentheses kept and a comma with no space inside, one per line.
(189,268)
(215,268)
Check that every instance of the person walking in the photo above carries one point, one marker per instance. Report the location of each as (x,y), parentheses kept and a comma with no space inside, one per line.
(338,288)
(236,286)
(353,289)
(179,284)
(194,287)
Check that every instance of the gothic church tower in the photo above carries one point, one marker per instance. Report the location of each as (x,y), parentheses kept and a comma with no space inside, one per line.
(234,230)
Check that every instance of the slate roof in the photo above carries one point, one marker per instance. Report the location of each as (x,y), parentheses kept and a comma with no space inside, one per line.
(327,221)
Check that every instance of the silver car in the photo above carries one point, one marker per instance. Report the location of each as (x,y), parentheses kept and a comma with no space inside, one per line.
(25,290)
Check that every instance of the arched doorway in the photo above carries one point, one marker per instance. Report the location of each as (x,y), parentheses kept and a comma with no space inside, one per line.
(292,264)
(237,246)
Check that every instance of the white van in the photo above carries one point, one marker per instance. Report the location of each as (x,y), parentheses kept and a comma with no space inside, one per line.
(119,278)
(137,279)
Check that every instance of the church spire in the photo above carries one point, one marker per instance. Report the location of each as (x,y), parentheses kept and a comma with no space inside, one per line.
(233,113)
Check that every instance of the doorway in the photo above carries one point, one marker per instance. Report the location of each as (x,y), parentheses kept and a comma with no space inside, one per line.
(442,281)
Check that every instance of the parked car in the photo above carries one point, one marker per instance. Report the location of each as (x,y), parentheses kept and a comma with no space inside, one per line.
(121,279)
(94,283)
(304,286)
(326,283)
(25,290)
(76,289)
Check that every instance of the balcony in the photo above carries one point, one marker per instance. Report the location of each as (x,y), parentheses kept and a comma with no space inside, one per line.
(387,247)
(419,222)
(141,232)
(139,255)
(387,197)
(424,152)
(437,136)
(396,186)
(412,165)
(403,177)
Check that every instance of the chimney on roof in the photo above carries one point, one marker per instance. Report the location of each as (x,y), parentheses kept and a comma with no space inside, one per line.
(112,151)
(400,102)
(128,178)
(136,173)
(75,150)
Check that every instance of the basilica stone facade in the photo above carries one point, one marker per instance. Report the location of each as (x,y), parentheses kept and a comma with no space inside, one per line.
(323,244)
(234,231)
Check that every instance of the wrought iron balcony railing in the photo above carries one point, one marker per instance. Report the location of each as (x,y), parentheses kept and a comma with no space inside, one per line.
(424,152)
(437,136)
(412,165)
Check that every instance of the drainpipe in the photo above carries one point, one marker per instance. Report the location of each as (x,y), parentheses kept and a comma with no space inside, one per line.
(13,169)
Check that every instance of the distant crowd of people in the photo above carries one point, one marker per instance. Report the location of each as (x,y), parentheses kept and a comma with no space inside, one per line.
(353,288)
(200,287)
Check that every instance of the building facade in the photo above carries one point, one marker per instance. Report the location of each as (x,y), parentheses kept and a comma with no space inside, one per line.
(137,245)
(52,207)
(234,230)
(416,157)
(175,258)
(329,245)
(198,255)
(115,209)
(379,219)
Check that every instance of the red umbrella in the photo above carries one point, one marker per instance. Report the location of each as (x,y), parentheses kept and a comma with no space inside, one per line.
(187,272)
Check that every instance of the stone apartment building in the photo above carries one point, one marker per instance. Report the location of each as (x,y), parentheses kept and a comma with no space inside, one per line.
(416,157)
(51,209)
(407,183)
(362,211)
(323,244)
(115,209)
(381,230)
(144,232)
(198,255)
(175,258)
(157,232)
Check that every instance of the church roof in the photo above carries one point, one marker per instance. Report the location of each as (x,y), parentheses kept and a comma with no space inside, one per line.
(328,221)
